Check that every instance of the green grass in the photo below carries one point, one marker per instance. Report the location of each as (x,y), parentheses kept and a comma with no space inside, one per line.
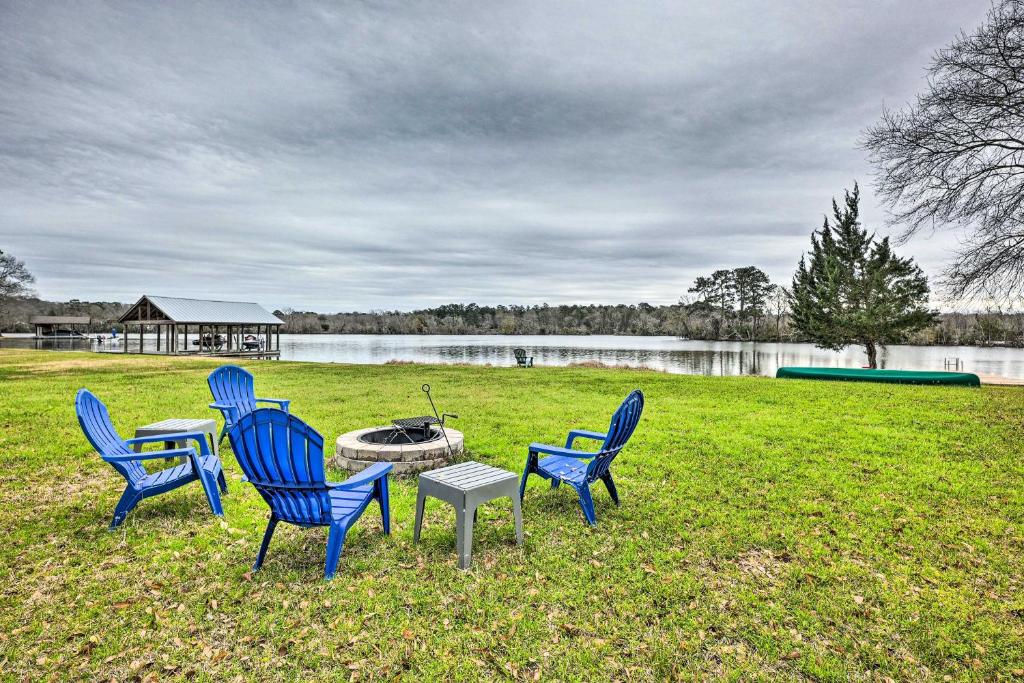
(802,530)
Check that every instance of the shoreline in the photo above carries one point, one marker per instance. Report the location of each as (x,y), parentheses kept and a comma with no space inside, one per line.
(91,336)
(987,379)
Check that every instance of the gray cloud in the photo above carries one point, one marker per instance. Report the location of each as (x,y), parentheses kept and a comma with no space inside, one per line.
(383,155)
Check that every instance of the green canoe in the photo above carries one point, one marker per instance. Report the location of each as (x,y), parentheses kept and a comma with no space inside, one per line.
(964,379)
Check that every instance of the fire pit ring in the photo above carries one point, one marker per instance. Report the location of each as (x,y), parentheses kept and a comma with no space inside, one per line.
(408,450)
(395,435)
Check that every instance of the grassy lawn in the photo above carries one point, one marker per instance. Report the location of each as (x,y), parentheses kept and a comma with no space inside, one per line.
(802,530)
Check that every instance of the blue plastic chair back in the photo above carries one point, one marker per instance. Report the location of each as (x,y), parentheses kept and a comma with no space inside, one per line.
(99,430)
(623,423)
(283,457)
(233,385)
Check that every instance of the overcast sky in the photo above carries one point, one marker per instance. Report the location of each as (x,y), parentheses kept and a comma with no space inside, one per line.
(404,154)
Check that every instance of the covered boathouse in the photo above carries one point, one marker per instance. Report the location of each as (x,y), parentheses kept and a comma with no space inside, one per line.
(49,326)
(199,326)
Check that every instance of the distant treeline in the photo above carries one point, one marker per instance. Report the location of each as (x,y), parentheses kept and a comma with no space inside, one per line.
(17,311)
(692,320)
(640,319)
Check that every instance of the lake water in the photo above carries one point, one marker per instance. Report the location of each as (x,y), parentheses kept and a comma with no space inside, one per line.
(661,353)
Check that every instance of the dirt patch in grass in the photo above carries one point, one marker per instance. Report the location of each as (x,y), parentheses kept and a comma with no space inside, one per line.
(397,361)
(98,362)
(69,491)
(69,364)
(612,366)
(763,564)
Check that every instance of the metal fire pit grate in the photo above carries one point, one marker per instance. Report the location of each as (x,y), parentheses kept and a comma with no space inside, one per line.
(424,421)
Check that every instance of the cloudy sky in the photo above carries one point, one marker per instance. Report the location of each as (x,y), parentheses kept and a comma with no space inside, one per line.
(349,156)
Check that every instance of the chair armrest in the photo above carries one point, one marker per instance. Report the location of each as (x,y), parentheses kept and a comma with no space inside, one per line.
(230,408)
(371,473)
(583,434)
(558,450)
(153,455)
(198,437)
(279,401)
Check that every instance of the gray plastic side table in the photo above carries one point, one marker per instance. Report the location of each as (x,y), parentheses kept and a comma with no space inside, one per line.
(466,486)
(179,425)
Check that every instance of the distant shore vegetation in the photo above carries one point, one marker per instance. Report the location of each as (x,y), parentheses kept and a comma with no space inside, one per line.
(692,318)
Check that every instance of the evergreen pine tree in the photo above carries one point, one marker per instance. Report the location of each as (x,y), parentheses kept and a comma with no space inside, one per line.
(853,290)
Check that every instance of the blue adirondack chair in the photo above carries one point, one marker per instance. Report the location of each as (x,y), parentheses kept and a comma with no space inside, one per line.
(202,466)
(283,458)
(572,466)
(234,395)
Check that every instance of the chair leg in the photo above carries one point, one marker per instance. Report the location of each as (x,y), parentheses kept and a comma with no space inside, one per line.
(531,462)
(129,499)
(223,432)
(522,484)
(335,542)
(555,483)
(271,525)
(385,504)
(222,481)
(609,484)
(587,503)
(209,483)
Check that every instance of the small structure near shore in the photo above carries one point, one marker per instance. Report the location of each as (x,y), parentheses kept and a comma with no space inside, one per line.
(219,328)
(49,326)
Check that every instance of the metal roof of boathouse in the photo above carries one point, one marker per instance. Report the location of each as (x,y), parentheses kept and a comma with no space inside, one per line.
(198,311)
(59,320)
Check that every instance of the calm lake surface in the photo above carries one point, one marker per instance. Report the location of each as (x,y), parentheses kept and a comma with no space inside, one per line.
(661,353)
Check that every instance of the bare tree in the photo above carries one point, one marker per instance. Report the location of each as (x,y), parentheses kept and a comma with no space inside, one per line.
(15,280)
(955,157)
(778,305)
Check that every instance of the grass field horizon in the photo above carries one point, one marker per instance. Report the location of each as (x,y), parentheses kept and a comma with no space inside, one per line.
(768,529)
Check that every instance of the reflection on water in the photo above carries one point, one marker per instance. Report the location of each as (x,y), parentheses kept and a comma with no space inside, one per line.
(661,353)
(27,341)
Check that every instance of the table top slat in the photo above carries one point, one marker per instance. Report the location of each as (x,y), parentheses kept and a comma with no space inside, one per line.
(179,423)
(456,470)
(468,475)
(478,479)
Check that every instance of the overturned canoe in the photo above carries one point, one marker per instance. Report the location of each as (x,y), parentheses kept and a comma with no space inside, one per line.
(965,379)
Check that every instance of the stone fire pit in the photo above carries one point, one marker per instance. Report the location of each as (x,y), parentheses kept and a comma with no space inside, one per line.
(410,451)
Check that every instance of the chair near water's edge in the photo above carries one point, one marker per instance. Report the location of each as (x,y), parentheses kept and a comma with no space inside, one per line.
(234,395)
(202,465)
(283,458)
(569,466)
